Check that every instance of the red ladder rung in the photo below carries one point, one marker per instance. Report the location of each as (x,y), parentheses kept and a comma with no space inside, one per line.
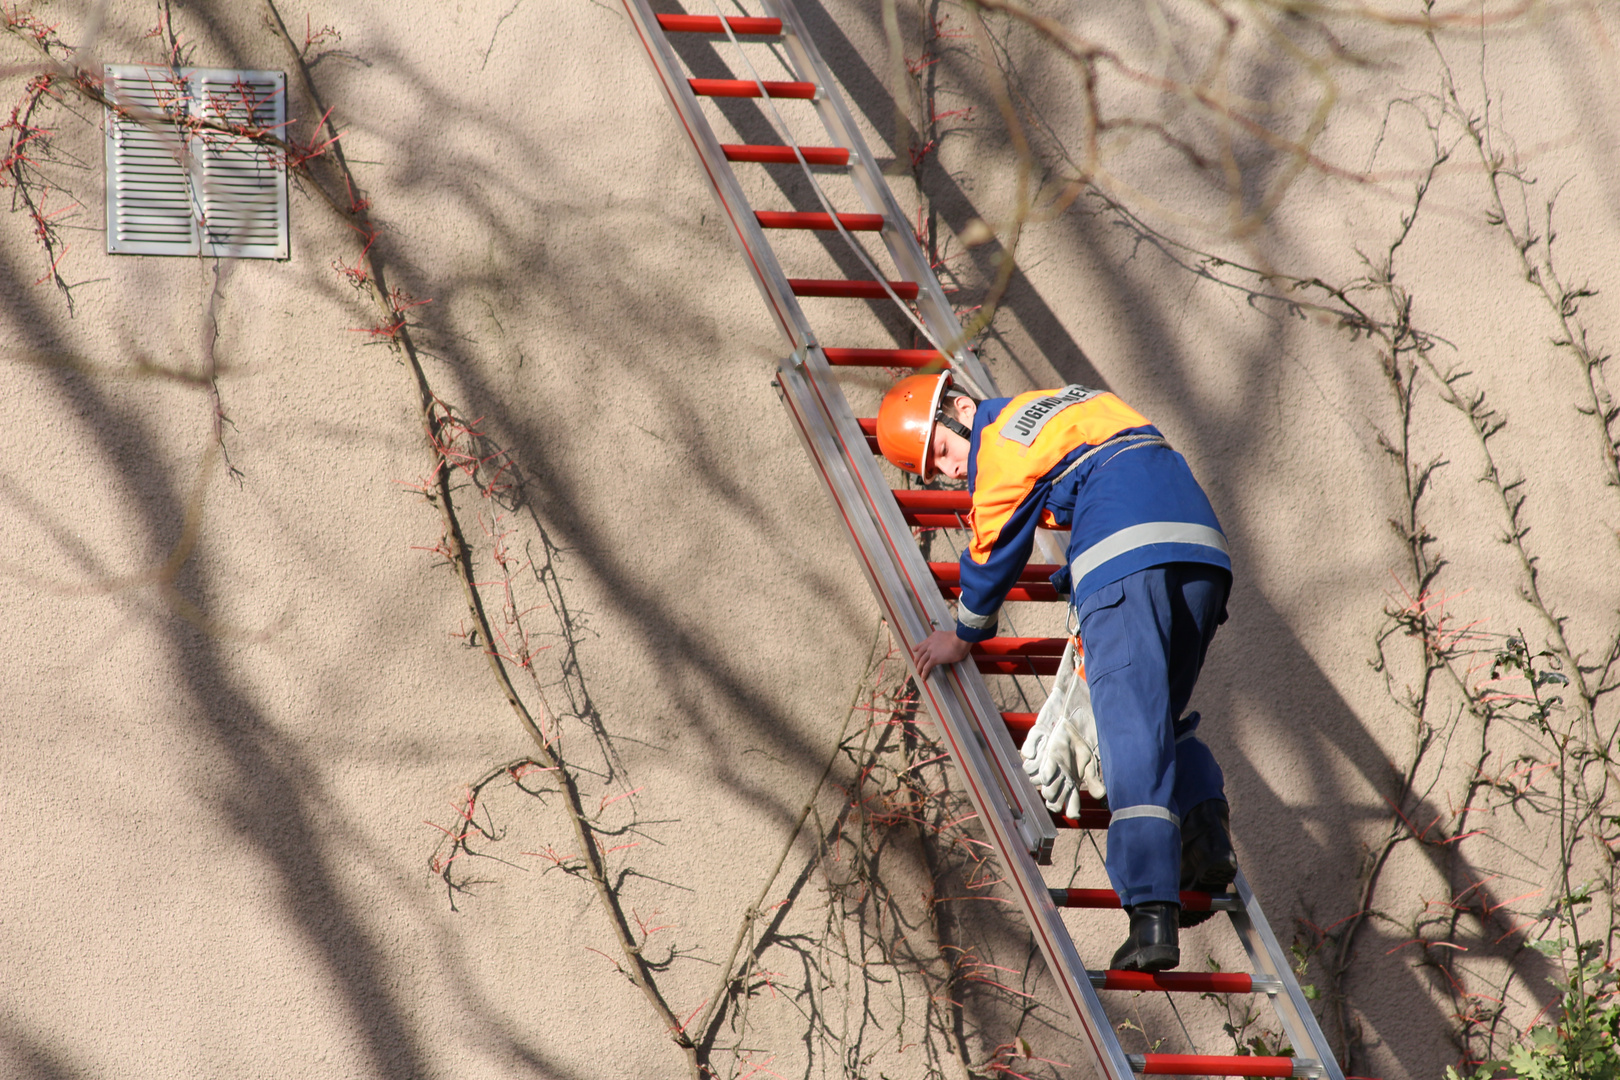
(1207,1065)
(915,504)
(938,521)
(851,290)
(1034,584)
(1108,898)
(1021,646)
(921,499)
(783,155)
(749,88)
(930,509)
(1023,665)
(710,24)
(1088,819)
(907,358)
(942,521)
(950,573)
(797,219)
(1176,982)
(1019,724)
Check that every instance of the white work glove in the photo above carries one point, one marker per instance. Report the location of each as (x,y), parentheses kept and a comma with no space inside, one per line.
(1060,753)
(1051,711)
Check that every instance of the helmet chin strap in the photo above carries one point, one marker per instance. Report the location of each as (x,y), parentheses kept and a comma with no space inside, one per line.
(953,425)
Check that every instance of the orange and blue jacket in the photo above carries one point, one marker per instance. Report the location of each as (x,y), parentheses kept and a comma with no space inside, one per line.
(1082,460)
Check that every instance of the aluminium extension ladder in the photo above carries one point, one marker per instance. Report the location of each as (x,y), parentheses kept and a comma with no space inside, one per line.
(879,521)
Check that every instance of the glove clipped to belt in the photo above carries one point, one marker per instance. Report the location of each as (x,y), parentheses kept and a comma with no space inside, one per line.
(1060,752)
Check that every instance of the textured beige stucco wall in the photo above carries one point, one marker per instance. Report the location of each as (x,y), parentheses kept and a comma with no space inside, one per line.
(219,797)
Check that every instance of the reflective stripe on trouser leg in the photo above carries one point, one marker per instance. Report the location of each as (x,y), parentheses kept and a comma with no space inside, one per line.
(1125,813)
(1138,839)
(1143,648)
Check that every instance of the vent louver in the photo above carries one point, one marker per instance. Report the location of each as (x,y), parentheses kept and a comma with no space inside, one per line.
(176,185)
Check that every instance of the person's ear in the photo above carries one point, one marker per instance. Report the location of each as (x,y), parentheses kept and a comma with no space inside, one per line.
(965,408)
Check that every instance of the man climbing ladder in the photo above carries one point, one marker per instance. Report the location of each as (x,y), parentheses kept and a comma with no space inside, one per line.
(1148,575)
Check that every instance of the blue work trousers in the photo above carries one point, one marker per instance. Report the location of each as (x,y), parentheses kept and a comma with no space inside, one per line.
(1145,637)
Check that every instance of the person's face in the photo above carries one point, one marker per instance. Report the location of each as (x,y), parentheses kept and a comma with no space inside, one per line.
(949,451)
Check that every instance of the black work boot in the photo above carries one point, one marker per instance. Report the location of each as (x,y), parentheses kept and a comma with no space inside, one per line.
(1152,945)
(1208,863)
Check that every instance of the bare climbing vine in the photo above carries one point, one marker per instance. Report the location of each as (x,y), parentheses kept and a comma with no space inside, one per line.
(1508,719)
(871,907)
(1179,91)
(1507,711)
(895,808)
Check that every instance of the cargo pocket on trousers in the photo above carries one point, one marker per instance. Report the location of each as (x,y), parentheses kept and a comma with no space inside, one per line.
(1102,631)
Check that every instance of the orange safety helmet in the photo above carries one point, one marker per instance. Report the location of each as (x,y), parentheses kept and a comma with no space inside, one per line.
(905,421)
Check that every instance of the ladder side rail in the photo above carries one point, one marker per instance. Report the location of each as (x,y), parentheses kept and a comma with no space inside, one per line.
(734,205)
(903,607)
(907,609)
(1266,956)
(907,254)
(988,716)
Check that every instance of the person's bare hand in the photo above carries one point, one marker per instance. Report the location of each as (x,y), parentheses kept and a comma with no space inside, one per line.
(940,647)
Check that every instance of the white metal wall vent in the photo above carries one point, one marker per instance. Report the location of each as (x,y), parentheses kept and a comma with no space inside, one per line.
(178,186)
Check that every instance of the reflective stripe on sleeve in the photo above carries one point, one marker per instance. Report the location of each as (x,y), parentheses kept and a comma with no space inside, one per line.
(1146,810)
(1149,532)
(972,619)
